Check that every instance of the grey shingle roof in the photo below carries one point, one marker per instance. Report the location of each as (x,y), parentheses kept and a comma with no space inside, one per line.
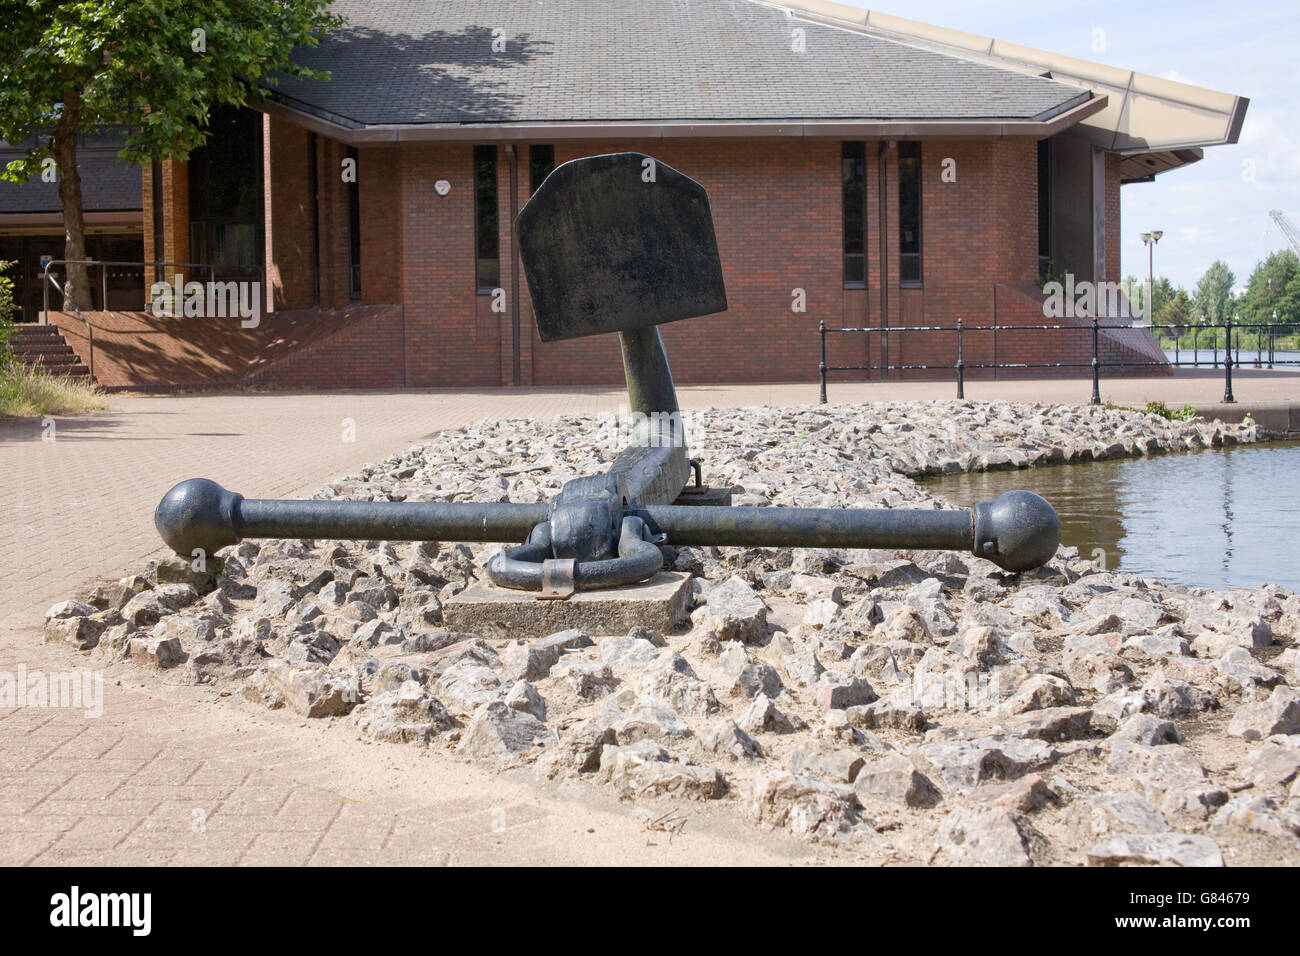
(107,185)
(413,62)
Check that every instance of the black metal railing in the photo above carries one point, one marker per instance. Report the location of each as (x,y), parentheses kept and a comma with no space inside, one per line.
(48,282)
(1231,344)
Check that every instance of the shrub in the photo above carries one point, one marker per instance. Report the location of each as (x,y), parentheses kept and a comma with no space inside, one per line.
(6,316)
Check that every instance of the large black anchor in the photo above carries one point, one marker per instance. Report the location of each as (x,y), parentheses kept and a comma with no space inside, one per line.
(615,243)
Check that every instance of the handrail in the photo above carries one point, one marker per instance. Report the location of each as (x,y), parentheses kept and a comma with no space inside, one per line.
(90,329)
(104,263)
(1094,328)
(48,280)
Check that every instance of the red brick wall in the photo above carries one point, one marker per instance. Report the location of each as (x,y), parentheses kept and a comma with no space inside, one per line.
(289,216)
(451,336)
(333,214)
(175,246)
(777,213)
(364,353)
(1113,273)
(379,175)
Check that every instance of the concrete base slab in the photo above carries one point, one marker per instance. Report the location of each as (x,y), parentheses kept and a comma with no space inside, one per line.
(661,604)
(716,497)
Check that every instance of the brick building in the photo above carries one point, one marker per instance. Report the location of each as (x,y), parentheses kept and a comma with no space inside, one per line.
(863,170)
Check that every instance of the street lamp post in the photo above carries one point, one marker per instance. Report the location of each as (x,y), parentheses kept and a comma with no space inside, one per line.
(1149,239)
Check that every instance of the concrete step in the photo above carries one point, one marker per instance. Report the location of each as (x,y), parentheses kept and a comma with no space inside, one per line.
(20,338)
(43,347)
(39,348)
(49,359)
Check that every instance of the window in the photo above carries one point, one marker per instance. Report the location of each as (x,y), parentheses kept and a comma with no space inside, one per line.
(909,213)
(1044,207)
(159,239)
(541,160)
(354,230)
(487,258)
(226,222)
(853,178)
(313,190)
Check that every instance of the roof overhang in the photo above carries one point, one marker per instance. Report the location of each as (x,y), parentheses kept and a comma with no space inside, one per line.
(39,223)
(349,131)
(1143,114)
(1144,166)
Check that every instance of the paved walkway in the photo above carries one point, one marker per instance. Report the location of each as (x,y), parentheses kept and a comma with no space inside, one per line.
(178,775)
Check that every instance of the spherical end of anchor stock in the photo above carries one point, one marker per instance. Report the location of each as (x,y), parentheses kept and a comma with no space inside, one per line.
(1017,531)
(197,514)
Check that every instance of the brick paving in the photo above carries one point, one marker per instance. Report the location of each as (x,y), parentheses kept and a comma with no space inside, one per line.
(177,775)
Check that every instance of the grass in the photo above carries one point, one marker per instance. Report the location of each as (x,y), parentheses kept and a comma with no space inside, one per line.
(27,392)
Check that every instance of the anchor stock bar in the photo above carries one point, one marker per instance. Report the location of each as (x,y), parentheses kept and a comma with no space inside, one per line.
(1017,530)
(198,514)
(813,527)
(615,243)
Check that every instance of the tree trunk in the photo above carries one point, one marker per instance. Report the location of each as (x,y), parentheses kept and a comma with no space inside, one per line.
(77,287)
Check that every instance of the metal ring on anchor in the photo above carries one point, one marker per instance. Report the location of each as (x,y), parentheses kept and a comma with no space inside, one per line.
(523,566)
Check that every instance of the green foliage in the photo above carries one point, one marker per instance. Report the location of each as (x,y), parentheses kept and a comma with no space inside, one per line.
(1266,292)
(1174,308)
(1184,414)
(143,64)
(1051,275)
(1163,293)
(1135,290)
(6,316)
(1288,306)
(1214,293)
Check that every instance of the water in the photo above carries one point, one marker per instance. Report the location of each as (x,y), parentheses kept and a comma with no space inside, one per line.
(1244,357)
(1215,519)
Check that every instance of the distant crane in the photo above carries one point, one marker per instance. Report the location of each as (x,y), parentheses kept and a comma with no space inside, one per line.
(1288,229)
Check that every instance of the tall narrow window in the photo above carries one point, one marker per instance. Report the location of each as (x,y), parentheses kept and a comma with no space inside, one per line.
(853,178)
(541,160)
(487,257)
(227,226)
(909,213)
(313,191)
(354,231)
(1044,207)
(158,238)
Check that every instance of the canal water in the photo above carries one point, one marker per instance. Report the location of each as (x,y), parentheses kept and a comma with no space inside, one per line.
(1244,357)
(1228,518)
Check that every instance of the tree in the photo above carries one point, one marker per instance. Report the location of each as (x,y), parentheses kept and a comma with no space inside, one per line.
(1267,287)
(1288,305)
(1173,308)
(1162,292)
(1214,293)
(155,66)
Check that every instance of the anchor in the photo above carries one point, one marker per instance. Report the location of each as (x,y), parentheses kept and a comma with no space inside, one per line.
(615,243)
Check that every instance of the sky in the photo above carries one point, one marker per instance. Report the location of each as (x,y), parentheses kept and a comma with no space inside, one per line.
(1217,208)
